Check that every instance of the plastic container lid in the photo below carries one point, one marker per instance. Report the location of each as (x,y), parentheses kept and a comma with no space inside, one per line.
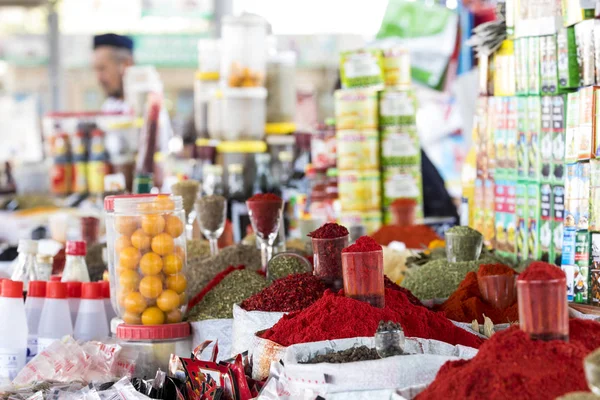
(252,146)
(73,290)
(280,128)
(207,75)
(109,201)
(105,289)
(12,289)
(27,246)
(56,290)
(37,289)
(76,248)
(154,332)
(91,291)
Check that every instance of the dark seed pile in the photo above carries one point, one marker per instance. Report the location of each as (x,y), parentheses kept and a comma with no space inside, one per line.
(361,353)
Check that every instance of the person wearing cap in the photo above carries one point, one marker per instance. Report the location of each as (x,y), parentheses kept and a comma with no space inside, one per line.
(112,55)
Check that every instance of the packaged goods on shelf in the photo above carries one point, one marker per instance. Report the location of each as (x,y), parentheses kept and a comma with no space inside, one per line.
(402,182)
(396,67)
(359,190)
(533,65)
(356,109)
(504,74)
(362,68)
(558,218)
(574,11)
(568,69)
(357,149)
(584,37)
(371,220)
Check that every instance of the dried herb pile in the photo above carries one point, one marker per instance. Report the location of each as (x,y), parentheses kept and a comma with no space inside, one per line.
(285,264)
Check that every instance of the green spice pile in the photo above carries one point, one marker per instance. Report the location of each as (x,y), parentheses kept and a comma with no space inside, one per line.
(463,231)
(463,244)
(233,289)
(439,278)
(285,264)
(197,249)
(200,272)
(361,353)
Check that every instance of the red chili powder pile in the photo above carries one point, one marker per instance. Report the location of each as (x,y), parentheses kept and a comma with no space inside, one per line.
(335,316)
(389,284)
(467,304)
(540,270)
(265,197)
(413,236)
(292,293)
(403,203)
(362,245)
(512,366)
(329,231)
(265,208)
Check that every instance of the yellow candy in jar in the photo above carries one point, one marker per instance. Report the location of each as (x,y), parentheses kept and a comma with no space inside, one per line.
(163,202)
(134,303)
(122,242)
(183,299)
(126,225)
(151,286)
(132,318)
(128,279)
(129,257)
(174,316)
(163,244)
(168,300)
(153,316)
(140,240)
(176,282)
(153,224)
(151,264)
(172,264)
(174,226)
(180,252)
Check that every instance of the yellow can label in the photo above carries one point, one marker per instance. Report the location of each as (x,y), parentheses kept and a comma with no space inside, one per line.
(356,109)
(357,150)
(359,190)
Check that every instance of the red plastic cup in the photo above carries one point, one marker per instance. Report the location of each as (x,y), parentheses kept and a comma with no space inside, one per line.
(363,277)
(327,255)
(404,212)
(499,291)
(543,308)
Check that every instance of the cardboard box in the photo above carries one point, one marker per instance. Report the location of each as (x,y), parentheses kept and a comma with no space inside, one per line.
(521,219)
(534,110)
(574,11)
(584,37)
(582,267)
(500,116)
(400,145)
(568,259)
(533,220)
(548,65)
(584,196)
(504,73)
(490,133)
(522,138)
(587,147)
(510,223)
(479,200)
(546,220)
(594,222)
(595,269)
(533,65)
(572,141)
(568,69)
(489,211)
(558,217)
(546,140)
(572,196)
(511,136)
(521,77)
(500,205)
(558,139)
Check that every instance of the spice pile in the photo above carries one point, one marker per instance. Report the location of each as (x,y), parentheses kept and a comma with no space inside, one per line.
(265,212)
(328,242)
(361,353)
(466,303)
(511,366)
(202,271)
(293,293)
(288,263)
(414,236)
(233,287)
(337,317)
(439,278)
(212,212)
(389,284)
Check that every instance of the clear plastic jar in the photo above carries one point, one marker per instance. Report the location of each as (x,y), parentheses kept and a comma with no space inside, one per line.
(237,113)
(281,85)
(208,55)
(147,257)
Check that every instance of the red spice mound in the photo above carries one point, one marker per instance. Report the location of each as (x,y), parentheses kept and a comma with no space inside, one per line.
(389,284)
(362,245)
(540,270)
(495,269)
(292,293)
(337,317)
(467,304)
(413,236)
(403,203)
(329,231)
(511,366)
(265,197)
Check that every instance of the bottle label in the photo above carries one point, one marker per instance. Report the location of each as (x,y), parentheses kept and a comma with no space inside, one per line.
(11,363)
(44,343)
(32,347)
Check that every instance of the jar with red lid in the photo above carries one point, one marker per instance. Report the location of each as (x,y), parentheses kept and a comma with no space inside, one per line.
(147,258)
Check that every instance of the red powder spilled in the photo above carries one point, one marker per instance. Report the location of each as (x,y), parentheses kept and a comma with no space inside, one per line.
(265,197)
(329,231)
(389,284)
(362,245)
(414,236)
(495,269)
(511,366)
(467,304)
(337,317)
(540,270)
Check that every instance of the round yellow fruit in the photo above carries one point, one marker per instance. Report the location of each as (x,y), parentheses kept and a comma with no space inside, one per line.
(168,300)
(174,226)
(134,303)
(180,252)
(153,224)
(151,286)
(163,244)
(164,203)
(172,264)
(122,242)
(153,316)
(129,257)
(140,240)
(128,279)
(126,225)
(132,318)
(151,264)
(176,282)
(183,299)
(174,316)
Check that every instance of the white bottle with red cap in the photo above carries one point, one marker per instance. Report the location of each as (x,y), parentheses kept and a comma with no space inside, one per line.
(91,319)
(13,331)
(75,267)
(74,297)
(33,308)
(108,307)
(55,322)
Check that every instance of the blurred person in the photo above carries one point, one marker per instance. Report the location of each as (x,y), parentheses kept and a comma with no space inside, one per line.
(112,55)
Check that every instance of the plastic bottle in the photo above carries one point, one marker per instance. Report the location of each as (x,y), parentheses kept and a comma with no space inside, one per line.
(108,307)
(91,319)
(75,267)
(13,331)
(26,269)
(55,321)
(33,308)
(74,298)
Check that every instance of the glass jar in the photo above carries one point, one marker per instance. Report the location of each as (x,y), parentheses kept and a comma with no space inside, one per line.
(208,56)
(147,257)
(212,180)
(205,85)
(281,85)
(235,182)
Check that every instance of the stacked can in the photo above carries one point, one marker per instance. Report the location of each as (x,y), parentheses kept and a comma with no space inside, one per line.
(358,157)
(400,149)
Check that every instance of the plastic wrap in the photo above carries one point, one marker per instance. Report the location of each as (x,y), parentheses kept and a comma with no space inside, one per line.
(246,324)
(213,330)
